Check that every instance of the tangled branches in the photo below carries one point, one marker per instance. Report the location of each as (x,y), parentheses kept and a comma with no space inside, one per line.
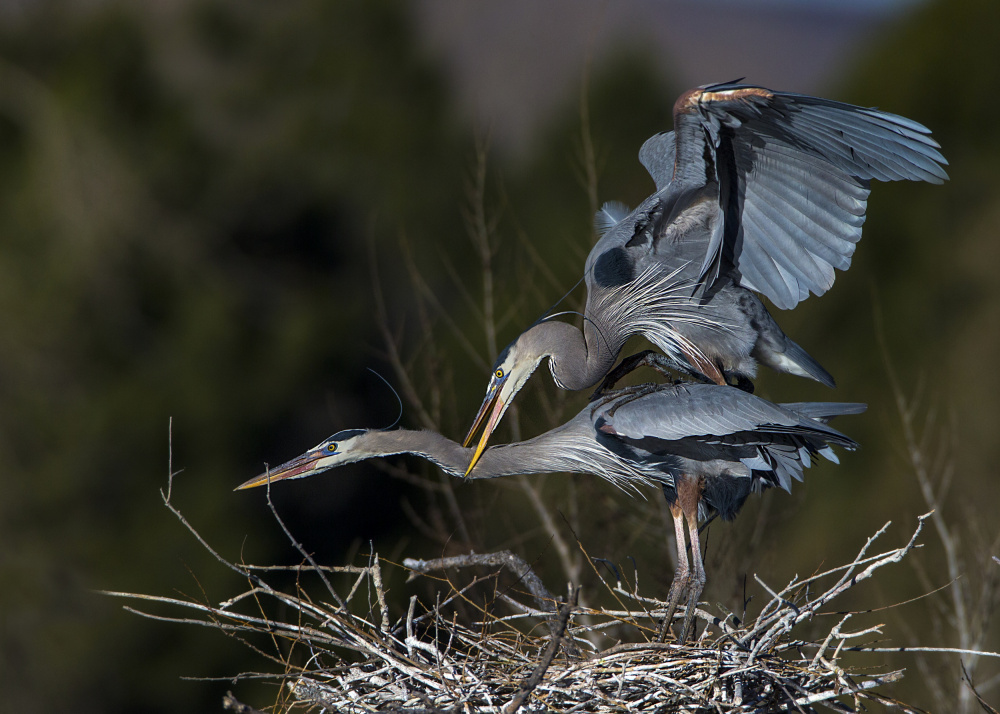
(339,646)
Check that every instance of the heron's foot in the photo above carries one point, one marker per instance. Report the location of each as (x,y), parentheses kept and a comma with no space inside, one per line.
(685,582)
(740,381)
(696,586)
(627,365)
(630,394)
(687,629)
(678,586)
(626,394)
(666,366)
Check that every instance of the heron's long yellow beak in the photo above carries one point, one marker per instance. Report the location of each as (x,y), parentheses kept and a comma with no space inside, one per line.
(299,466)
(493,401)
(484,409)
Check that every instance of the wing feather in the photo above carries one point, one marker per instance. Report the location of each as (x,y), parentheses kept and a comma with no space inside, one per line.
(657,156)
(799,169)
(725,414)
(681,411)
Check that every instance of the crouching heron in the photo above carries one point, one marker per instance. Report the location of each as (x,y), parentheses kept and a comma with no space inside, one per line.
(707,446)
(756,190)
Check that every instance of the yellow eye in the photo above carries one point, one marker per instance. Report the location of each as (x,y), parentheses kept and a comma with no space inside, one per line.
(499,374)
(332,447)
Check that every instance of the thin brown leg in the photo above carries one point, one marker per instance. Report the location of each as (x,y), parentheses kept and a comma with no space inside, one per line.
(697,582)
(681,573)
(689,490)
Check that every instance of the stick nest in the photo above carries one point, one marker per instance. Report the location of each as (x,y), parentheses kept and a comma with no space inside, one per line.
(495,640)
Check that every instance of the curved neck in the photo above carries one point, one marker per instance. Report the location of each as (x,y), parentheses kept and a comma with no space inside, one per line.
(450,456)
(547,453)
(576,361)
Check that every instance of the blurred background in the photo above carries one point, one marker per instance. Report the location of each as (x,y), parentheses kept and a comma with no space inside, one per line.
(221,212)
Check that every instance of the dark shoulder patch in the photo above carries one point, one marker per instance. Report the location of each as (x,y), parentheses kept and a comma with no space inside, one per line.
(602,426)
(613,268)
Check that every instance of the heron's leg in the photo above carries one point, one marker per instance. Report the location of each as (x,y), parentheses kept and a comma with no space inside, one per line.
(689,489)
(681,573)
(666,366)
(697,583)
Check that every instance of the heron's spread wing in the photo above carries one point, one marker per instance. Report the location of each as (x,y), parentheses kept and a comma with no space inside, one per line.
(793,178)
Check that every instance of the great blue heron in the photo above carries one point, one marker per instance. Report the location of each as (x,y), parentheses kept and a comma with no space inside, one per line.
(708,446)
(756,191)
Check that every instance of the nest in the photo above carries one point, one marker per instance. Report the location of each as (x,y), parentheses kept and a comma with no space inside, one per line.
(337,647)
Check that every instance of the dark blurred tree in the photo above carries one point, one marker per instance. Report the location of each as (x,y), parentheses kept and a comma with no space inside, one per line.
(187,193)
(934,260)
(926,260)
(927,265)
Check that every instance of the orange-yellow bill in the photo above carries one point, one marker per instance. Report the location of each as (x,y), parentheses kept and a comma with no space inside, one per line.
(484,409)
(492,400)
(297,467)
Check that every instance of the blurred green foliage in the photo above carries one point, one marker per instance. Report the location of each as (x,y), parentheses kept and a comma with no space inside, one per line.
(188,193)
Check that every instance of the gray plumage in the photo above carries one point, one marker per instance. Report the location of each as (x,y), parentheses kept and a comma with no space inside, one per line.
(756,191)
(788,178)
(643,278)
(749,443)
(633,437)
(708,446)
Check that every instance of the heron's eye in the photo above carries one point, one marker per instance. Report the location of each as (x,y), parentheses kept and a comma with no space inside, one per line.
(499,374)
(332,447)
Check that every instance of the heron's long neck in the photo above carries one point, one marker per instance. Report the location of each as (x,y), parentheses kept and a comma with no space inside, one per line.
(543,454)
(576,362)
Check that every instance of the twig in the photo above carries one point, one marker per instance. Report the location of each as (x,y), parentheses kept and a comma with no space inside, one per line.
(480,232)
(430,659)
(528,686)
(505,558)
(231,703)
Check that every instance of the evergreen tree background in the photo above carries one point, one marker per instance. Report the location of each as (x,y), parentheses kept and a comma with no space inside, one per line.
(188,193)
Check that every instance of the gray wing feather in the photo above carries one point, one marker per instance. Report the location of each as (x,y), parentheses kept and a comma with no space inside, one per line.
(681,411)
(802,166)
(657,155)
(825,411)
(610,215)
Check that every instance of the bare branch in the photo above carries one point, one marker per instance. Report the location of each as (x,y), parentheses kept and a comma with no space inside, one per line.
(505,558)
(433,659)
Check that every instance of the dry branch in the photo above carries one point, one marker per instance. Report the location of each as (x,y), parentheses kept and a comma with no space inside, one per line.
(355,655)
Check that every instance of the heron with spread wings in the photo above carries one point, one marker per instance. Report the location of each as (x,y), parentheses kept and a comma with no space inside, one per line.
(708,446)
(757,191)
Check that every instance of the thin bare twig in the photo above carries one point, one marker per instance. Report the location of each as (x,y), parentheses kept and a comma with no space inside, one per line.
(429,659)
(505,558)
(528,686)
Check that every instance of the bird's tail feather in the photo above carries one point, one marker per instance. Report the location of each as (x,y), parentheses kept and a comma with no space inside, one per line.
(825,411)
(797,361)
